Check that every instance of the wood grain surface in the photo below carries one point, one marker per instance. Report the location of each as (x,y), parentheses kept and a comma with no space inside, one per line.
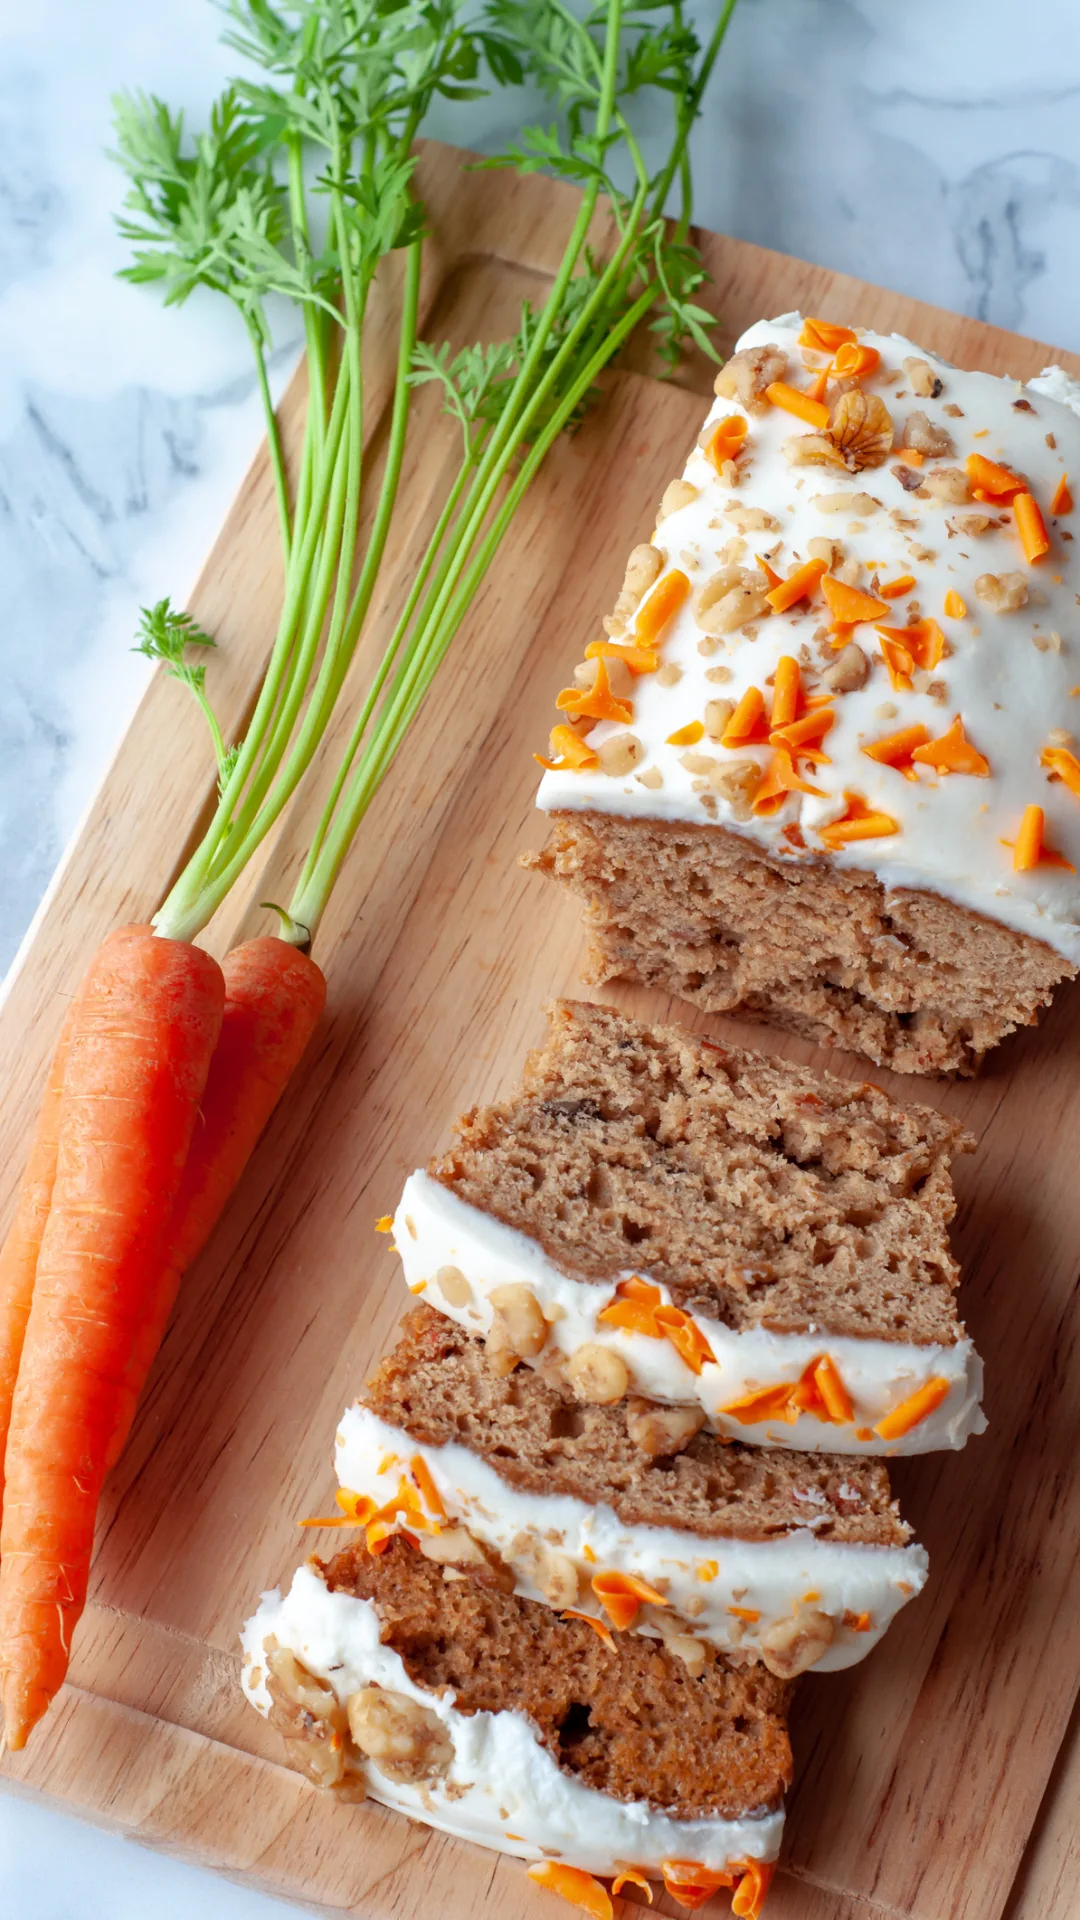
(942,1777)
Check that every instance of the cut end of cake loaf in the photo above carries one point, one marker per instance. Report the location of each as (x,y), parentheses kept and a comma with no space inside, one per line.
(439,1387)
(760,1194)
(625,1719)
(909,979)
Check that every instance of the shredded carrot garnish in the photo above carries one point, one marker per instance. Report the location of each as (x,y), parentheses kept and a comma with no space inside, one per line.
(621,1594)
(900,662)
(824,336)
(356,1510)
(576,1886)
(905,648)
(634,659)
(385,1223)
(860,822)
(799,585)
(953,753)
(1030,849)
(1065,764)
(587,1552)
(568,750)
(794,400)
(801,736)
(750,1614)
(918,1406)
(1031,527)
(691,1884)
(858,1622)
(596,702)
(819,384)
(786,685)
(1062,501)
(896,749)
(661,606)
(849,605)
(685,1336)
(726,443)
(417,1286)
(421,1473)
(895,589)
(954,608)
(708,1570)
(781,778)
(910,457)
(834,1394)
(628,1877)
(747,726)
(773,578)
(634,1308)
(687,736)
(768,1403)
(598,1626)
(752,1888)
(992,481)
(854,362)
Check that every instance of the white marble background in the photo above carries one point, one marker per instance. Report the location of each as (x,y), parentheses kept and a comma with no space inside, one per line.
(930,145)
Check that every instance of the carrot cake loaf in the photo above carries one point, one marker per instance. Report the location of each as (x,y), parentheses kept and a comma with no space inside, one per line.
(495,1718)
(657,1215)
(628,1513)
(823,769)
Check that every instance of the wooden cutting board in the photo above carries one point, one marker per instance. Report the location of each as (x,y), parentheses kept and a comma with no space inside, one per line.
(942,1777)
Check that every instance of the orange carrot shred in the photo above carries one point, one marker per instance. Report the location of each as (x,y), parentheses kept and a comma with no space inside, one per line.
(992,480)
(773,578)
(896,749)
(781,778)
(804,733)
(917,1407)
(692,1884)
(895,589)
(794,400)
(685,1336)
(568,750)
(952,753)
(1031,527)
(622,1594)
(834,1394)
(662,605)
(385,1223)
(819,384)
(598,1626)
(687,736)
(628,1877)
(421,1473)
(825,336)
(596,702)
(849,605)
(855,362)
(749,1614)
(1062,501)
(955,607)
(860,822)
(786,684)
(910,457)
(635,659)
(752,1888)
(727,441)
(746,726)
(858,1622)
(1065,764)
(766,1403)
(799,585)
(575,1885)
(1030,849)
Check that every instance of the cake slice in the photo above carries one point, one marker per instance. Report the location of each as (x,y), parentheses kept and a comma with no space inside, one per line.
(490,1717)
(655,1214)
(628,1513)
(823,769)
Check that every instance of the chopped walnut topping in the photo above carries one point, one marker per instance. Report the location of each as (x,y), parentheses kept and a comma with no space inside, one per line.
(719,676)
(924,381)
(732,552)
(828,550)
(698,762)
(518,1329)
(861,503)
(1023,406)
(407,1742)
(597,1375)
(456,1290)
(307,1712)
(642,568)
(1003,593)
(910,478)
(748,373)
(752,520)
(661,1431)
(1050,441)
(677,494)
(861,426)
(730,598)
(947,483)
(669,674)
(552,1574)
(717,715)
(455,1547)
(1047,642)
(923,437)
(651,778)
(791,1646)
(973,523)
(737,781)
(954,412)
(926,555)
(620,754)
(619,677)
(848,671)
(813,450)
(938,690)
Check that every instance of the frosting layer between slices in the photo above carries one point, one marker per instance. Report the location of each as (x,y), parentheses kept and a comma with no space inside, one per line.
(904,1398)
(503,1789)
(799,1600)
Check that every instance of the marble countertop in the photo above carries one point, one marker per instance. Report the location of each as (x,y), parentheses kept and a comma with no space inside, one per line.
(930,148)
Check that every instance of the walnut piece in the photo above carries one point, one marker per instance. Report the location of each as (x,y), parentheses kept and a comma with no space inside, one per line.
(309,1715)
(620,754)
(922,379)
(1002,592)
(859,503)
(661,1431)
(791,1646)
(597,1375)
(752,520)
(947,483)
(407,1742)
(730,598)
(518,1329)
(923,437)
(456,1290)
(748,373)
(455,1547)
(848,671)
(861,427)
(644,564)
(619,677)
(737,781)
(973,523)
(717,715)
(677,494)
(552,1574)
(813,450)
(828,550)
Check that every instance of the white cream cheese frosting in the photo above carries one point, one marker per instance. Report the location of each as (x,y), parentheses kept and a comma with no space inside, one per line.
(436,1234)
(503,1789)
(736,1593)
(1013,677)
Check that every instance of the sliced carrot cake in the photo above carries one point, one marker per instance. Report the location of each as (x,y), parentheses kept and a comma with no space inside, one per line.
(492,1717)
(822,769)
(628,1513)
(658,1215)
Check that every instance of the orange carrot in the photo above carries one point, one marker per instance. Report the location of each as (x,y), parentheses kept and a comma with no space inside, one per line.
(19,1254)
(138,1054)
(274,996)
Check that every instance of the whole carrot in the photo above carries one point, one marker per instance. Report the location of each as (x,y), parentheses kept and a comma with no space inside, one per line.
(274,996)
(19,1253)
(138,1055)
